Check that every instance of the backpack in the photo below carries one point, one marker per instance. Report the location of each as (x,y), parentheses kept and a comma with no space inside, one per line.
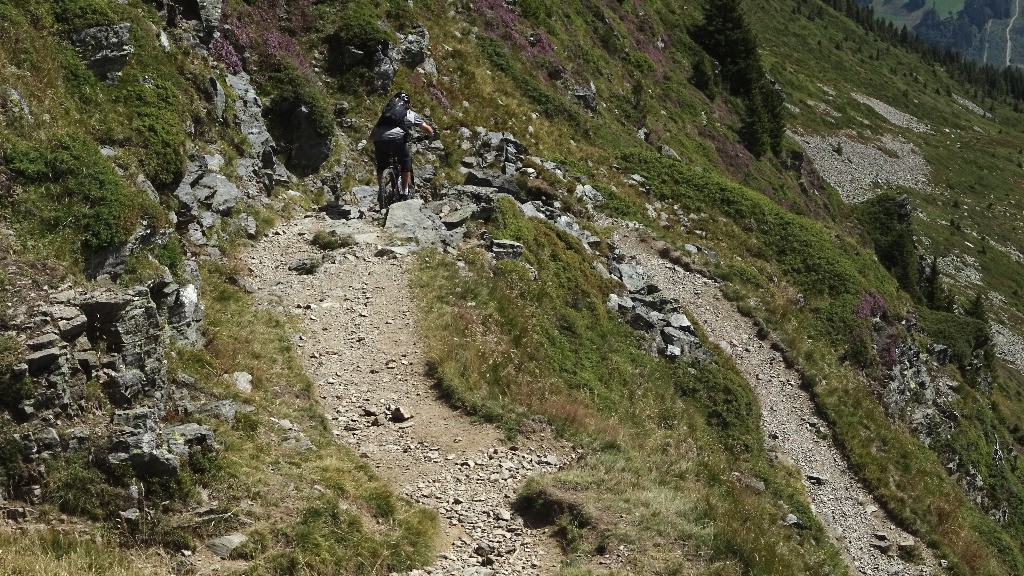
(394,114)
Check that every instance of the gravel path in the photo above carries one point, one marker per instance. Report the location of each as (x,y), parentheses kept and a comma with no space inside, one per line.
(360,345)
(788,418)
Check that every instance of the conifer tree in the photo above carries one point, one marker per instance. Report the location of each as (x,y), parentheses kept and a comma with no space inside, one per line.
(726,37)
(977,308)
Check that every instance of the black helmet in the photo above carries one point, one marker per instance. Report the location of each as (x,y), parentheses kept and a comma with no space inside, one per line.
(403,97)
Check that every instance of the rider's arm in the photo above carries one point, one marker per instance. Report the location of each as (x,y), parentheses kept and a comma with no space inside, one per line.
(426,127)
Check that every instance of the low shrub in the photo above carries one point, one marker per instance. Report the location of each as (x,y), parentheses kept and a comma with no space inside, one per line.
(14,389)
(359,28)
(331,240)
(892,235)
(76,15)
(78,488)
(72,193)
(157,134)
(289,88)
(961,334)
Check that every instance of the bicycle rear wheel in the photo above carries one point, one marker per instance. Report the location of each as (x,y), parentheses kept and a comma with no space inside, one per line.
(389,189)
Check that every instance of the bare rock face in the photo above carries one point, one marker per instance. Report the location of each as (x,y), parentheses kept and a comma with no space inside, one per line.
(105,49)
(310,148)
(112,262)
(249,118)
(202,16)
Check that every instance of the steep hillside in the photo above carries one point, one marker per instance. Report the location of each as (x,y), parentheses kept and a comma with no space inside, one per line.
(841,212)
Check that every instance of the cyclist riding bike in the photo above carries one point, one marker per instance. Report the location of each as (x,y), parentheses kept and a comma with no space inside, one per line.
(390,137)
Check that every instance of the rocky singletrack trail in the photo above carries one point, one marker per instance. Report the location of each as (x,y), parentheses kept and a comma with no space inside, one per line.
(360,345)
(866,536)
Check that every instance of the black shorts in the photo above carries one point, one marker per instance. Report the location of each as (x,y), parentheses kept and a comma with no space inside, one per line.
(384,150)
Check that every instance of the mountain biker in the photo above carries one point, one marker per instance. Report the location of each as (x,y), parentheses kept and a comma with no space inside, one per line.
(390,137)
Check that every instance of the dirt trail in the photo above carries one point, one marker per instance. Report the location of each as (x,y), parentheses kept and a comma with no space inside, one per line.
(788,419)
(360,344)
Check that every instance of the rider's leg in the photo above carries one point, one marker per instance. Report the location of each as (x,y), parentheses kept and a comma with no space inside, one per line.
(406,179)
(405,161)
(380,154)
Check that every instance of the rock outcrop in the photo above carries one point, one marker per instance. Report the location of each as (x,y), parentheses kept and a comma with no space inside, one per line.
(105,49)
(111,341)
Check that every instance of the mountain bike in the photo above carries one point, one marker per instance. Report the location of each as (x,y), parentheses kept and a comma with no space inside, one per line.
(390,188)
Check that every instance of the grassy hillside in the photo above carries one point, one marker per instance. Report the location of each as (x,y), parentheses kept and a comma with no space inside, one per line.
(795,257)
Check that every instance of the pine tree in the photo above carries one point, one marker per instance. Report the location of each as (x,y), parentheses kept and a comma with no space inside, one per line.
(726,37)
(936,296)
(704,78)
(977,308)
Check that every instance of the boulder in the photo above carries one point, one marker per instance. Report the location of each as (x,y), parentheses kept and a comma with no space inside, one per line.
(412,221)
(205,14)
(570,225)
(415,47)
(481,178)
(401,414)
(47,340)
(586,96)
(126,386)
(104,49)
(48,439)
(112,262)
(305,266)
(681,322)
(147,188)
(71,322)
(456,218)
(589,194)
(507,249)
(384,63)
(217,192)
(144,419)
(222,547)
(157,463)
(38,362)
(668,152)
(142,451)
(16,102)
(219,97)
(248,225)
(644,320)
(183,314)
(186,438)
(226,410)
(632,275)
(241,381)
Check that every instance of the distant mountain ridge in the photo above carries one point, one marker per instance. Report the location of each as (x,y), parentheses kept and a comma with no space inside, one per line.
(987,31)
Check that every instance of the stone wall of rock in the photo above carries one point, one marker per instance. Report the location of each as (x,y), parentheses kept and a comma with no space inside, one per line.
(112,341)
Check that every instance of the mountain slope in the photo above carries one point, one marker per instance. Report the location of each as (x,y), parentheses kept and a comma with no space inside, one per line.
(142,143)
